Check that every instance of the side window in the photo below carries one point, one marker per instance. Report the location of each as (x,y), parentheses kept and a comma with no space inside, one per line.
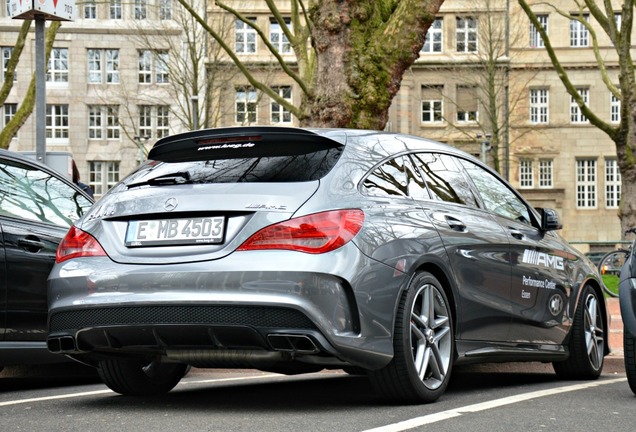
(397,177)
(444,179)
(28,193)
(496,195)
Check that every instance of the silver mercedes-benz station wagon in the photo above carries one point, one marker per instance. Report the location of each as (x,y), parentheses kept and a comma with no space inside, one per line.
(294,250)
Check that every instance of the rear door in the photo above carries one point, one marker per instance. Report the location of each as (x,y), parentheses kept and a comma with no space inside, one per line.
(30,253)
(477,247)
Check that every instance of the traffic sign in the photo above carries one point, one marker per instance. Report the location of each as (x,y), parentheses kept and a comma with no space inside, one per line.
(50,10)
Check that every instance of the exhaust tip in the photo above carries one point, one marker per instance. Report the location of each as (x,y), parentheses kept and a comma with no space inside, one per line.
(292,343)
(61,344)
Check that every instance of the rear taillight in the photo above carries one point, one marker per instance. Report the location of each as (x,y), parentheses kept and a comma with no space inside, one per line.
(316,233)
(78,243)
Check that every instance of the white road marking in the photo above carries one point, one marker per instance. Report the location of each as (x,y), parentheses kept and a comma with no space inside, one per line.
(456,412)
(97,392)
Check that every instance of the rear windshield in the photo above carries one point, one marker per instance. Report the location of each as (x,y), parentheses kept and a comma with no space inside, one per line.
(290,168)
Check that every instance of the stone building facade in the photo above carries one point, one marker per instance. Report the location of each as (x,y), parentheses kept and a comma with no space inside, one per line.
(483,83)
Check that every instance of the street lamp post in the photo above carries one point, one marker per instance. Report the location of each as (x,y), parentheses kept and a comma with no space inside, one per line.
(485,145)
(195,112)
(141,143)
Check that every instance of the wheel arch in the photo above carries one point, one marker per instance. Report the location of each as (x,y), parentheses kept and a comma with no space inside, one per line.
(596,286)
(447,284)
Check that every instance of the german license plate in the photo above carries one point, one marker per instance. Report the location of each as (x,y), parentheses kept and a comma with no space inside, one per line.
(165,232)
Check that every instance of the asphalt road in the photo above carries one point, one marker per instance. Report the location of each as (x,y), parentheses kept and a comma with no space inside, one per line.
(517,397)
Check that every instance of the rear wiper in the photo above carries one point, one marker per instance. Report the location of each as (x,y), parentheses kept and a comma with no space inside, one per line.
(166,179)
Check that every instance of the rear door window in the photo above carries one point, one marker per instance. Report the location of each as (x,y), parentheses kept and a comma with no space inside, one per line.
(29,193)
(397,177)
(444,179)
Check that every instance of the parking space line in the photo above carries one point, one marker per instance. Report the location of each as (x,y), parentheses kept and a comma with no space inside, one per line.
(97,392)
(456,412)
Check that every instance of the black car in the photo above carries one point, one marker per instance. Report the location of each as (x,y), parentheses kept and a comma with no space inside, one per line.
(627,298)
(37,207)
(292,250)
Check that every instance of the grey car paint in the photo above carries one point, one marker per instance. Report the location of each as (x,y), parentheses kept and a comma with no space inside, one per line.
(345,301)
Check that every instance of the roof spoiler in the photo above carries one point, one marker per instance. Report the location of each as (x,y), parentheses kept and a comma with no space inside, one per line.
(239,142)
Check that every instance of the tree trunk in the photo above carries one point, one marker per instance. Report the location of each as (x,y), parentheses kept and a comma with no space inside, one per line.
(26,108)
(363,49)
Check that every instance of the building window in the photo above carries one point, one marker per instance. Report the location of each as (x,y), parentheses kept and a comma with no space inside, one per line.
(245,104)
(466,34)
(279,113)
(576,116)
(8,112)
(57,121)
(157,61)
(154,121)
(145,66)
(586,183)
(141,9)
(103,63)
(103,121)
(163,121)
(162,73)
(115,9)
(165,9)
(579,35)
(535,38)
(278,38)
(612,184)
(6,56)
(615,109)
(102,176)
(434,37)
(90,10)
(467,104)
(145,121)
(58,66)
(432,107)
(539,106)
(546,173)
(244,37)
(526,177)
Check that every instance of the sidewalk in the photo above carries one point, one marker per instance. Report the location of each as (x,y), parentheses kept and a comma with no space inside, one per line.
(615,363)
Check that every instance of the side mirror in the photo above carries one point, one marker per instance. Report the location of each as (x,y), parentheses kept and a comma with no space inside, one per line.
(549,219)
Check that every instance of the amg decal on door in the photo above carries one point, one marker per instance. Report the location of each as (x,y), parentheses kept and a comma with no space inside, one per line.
(534,257)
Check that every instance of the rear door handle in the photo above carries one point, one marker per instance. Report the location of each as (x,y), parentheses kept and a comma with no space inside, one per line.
(31,245)
(455,224)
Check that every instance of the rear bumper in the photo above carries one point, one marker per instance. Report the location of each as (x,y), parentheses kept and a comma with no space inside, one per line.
(101,307)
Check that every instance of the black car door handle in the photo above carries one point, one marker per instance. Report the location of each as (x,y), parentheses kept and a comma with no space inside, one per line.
(31,245)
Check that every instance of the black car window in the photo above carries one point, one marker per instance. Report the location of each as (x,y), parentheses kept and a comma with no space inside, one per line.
(444,179)
(497,197)
(29,193)
(396,177)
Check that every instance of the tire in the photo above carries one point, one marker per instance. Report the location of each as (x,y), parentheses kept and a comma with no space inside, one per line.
(423,344)
(587,340)
(629,349)
(609,268)
(140,378)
